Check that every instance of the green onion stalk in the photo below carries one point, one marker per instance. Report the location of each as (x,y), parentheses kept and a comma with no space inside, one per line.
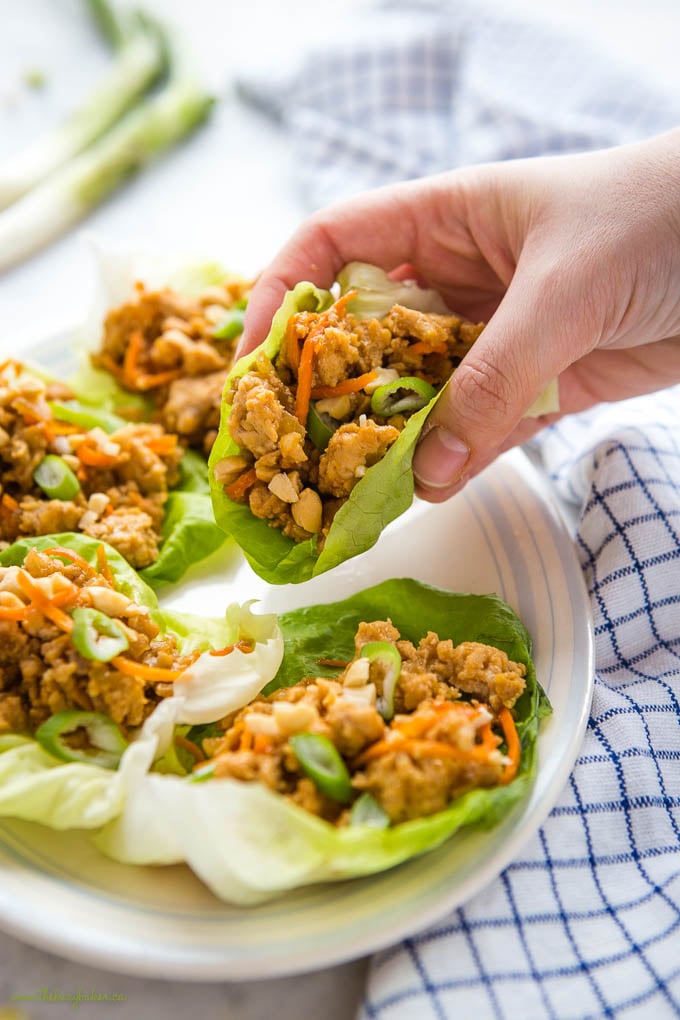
(154,125)
(139,62)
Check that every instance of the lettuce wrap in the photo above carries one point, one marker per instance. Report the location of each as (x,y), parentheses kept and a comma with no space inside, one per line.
(248,843)
(37,782)
(386,489)
(189,315)
(320,423)
(47,422)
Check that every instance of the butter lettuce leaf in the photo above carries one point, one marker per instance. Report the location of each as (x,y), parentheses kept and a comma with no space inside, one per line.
(189,532)
(249,844)
(385,491)
(38,787)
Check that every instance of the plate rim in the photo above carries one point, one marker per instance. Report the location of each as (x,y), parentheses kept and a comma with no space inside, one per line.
(168,962)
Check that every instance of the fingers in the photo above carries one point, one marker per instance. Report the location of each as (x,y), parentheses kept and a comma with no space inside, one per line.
(377,227)
(517,355)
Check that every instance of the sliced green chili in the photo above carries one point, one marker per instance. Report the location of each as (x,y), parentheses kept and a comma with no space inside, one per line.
(320,427)
(105,738)
(387,656)
(401,396)
(55,478)
(96,636)
(231,325)
(322,762)
(367,811)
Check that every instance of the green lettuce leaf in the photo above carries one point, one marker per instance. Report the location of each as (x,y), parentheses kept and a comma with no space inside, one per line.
(248,843)
(189,532)
(37,787)
(385,491)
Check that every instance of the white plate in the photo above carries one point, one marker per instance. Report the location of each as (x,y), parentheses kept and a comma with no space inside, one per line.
(502,534)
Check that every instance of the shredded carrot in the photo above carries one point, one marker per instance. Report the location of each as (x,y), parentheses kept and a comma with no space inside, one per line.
(132,377)
(332,662)
(162,444)
(44,604)
(488,742)
(346,386)
(421,748)
(422,347)
(191,747)
(415,726)
(8,502)
(13,612)
(306,367)
(243,646)
(53,428)
(151,673)
(90,455)
(239,488)
(131,359)
(59,552)
(305,375)
(104,566)
(514,746)
(261,744)
(246,742)
(111,366)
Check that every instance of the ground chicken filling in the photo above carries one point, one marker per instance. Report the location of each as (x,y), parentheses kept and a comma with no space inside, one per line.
(41,670)
(177,350)
(448,730)
(114,485)
(307,424)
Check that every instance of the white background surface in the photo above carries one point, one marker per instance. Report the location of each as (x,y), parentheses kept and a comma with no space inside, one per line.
(229,193)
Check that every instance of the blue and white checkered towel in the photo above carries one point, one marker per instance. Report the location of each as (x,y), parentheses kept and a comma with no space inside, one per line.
(587,922)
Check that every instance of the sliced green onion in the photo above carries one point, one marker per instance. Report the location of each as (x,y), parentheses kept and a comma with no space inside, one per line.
(387,657)
(203,774)
(96,636)
(322,762)
(55,478)
(320,427)
(367,811)
(231,325)
(74,413)
(103,734)
(401,396)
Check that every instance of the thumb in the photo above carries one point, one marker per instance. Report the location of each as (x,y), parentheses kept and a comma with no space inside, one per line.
(510,364)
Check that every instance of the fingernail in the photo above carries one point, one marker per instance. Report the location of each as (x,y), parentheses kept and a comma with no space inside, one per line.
(440,458)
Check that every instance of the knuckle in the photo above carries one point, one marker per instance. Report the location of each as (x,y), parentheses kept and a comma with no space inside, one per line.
(483,388)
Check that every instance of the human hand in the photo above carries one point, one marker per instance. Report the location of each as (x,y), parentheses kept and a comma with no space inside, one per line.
(574,263)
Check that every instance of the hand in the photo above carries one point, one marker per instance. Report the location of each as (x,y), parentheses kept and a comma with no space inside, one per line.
(574,263)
